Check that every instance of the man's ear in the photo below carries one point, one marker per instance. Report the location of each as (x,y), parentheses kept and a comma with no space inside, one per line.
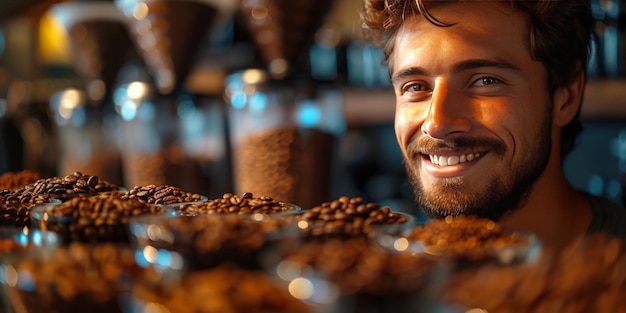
(568,99)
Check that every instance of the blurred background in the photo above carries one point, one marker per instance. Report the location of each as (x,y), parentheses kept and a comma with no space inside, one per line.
(189,93)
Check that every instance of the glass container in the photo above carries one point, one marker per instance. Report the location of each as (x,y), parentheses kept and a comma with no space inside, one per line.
(176,140)
(86,135)
(284,136)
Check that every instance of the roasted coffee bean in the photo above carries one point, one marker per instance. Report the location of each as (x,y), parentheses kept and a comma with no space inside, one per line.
(101,218)
(230,203)
(347,217)
(66,187)
(162,194)
(73,278)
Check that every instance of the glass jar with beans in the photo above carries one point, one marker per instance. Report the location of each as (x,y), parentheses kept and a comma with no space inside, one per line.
(87,136)
(284,135)
(178,139)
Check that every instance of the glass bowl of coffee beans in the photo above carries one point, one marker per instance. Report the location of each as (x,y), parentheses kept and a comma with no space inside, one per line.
(463,239)
(99,218)
(196,242)
(230,203)
(76,277)
(348,217)
(355,275)
(15,240)
(224,288)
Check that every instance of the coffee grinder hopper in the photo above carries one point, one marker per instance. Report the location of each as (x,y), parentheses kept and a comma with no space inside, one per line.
(99,43)
(284,30)
(168,33)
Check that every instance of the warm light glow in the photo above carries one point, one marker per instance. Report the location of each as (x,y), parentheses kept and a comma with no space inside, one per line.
(150,253)
(137,90)
(401,244)
(141,11)
(259,12)
(258,217)
(154,232)
(278,67)
(253,76)
(301,288)
(53,41)
(10,276)
(303,224)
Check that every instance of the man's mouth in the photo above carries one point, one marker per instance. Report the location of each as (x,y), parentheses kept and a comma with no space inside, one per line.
(446,160)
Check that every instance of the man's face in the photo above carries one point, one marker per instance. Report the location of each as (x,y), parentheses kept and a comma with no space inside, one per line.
(472,109)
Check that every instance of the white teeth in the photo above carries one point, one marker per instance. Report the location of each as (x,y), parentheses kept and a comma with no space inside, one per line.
(443,161)
(453,160)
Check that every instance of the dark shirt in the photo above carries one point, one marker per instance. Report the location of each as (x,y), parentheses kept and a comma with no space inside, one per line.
(607,216)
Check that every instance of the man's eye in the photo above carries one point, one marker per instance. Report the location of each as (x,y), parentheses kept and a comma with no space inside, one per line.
(486,81)
(414,88)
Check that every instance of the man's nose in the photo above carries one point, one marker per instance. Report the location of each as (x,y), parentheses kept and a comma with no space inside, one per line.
(448,113)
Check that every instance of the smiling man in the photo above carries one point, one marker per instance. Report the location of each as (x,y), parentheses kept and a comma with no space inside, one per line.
(488,95)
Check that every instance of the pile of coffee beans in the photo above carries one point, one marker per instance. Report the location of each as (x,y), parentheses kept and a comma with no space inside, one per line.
(101,218)
(67,187)
(230,203)
(223,289)
(470,238)
(288,164)
(161,194)
(17,215)
(16,180)
(208,240)
(104,162)
(588,276)
(73,278)
(375,279)
(347,217)
(15,207)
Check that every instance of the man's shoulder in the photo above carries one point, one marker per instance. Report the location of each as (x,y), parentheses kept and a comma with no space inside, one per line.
(608,216)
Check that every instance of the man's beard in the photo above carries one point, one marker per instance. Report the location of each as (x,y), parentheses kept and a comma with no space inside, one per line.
(503,194)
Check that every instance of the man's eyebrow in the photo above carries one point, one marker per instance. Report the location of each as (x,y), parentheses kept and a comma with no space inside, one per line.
(408,72)
(459,67)
(478,63)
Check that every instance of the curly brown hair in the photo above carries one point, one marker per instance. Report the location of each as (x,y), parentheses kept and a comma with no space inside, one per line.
(560,36)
